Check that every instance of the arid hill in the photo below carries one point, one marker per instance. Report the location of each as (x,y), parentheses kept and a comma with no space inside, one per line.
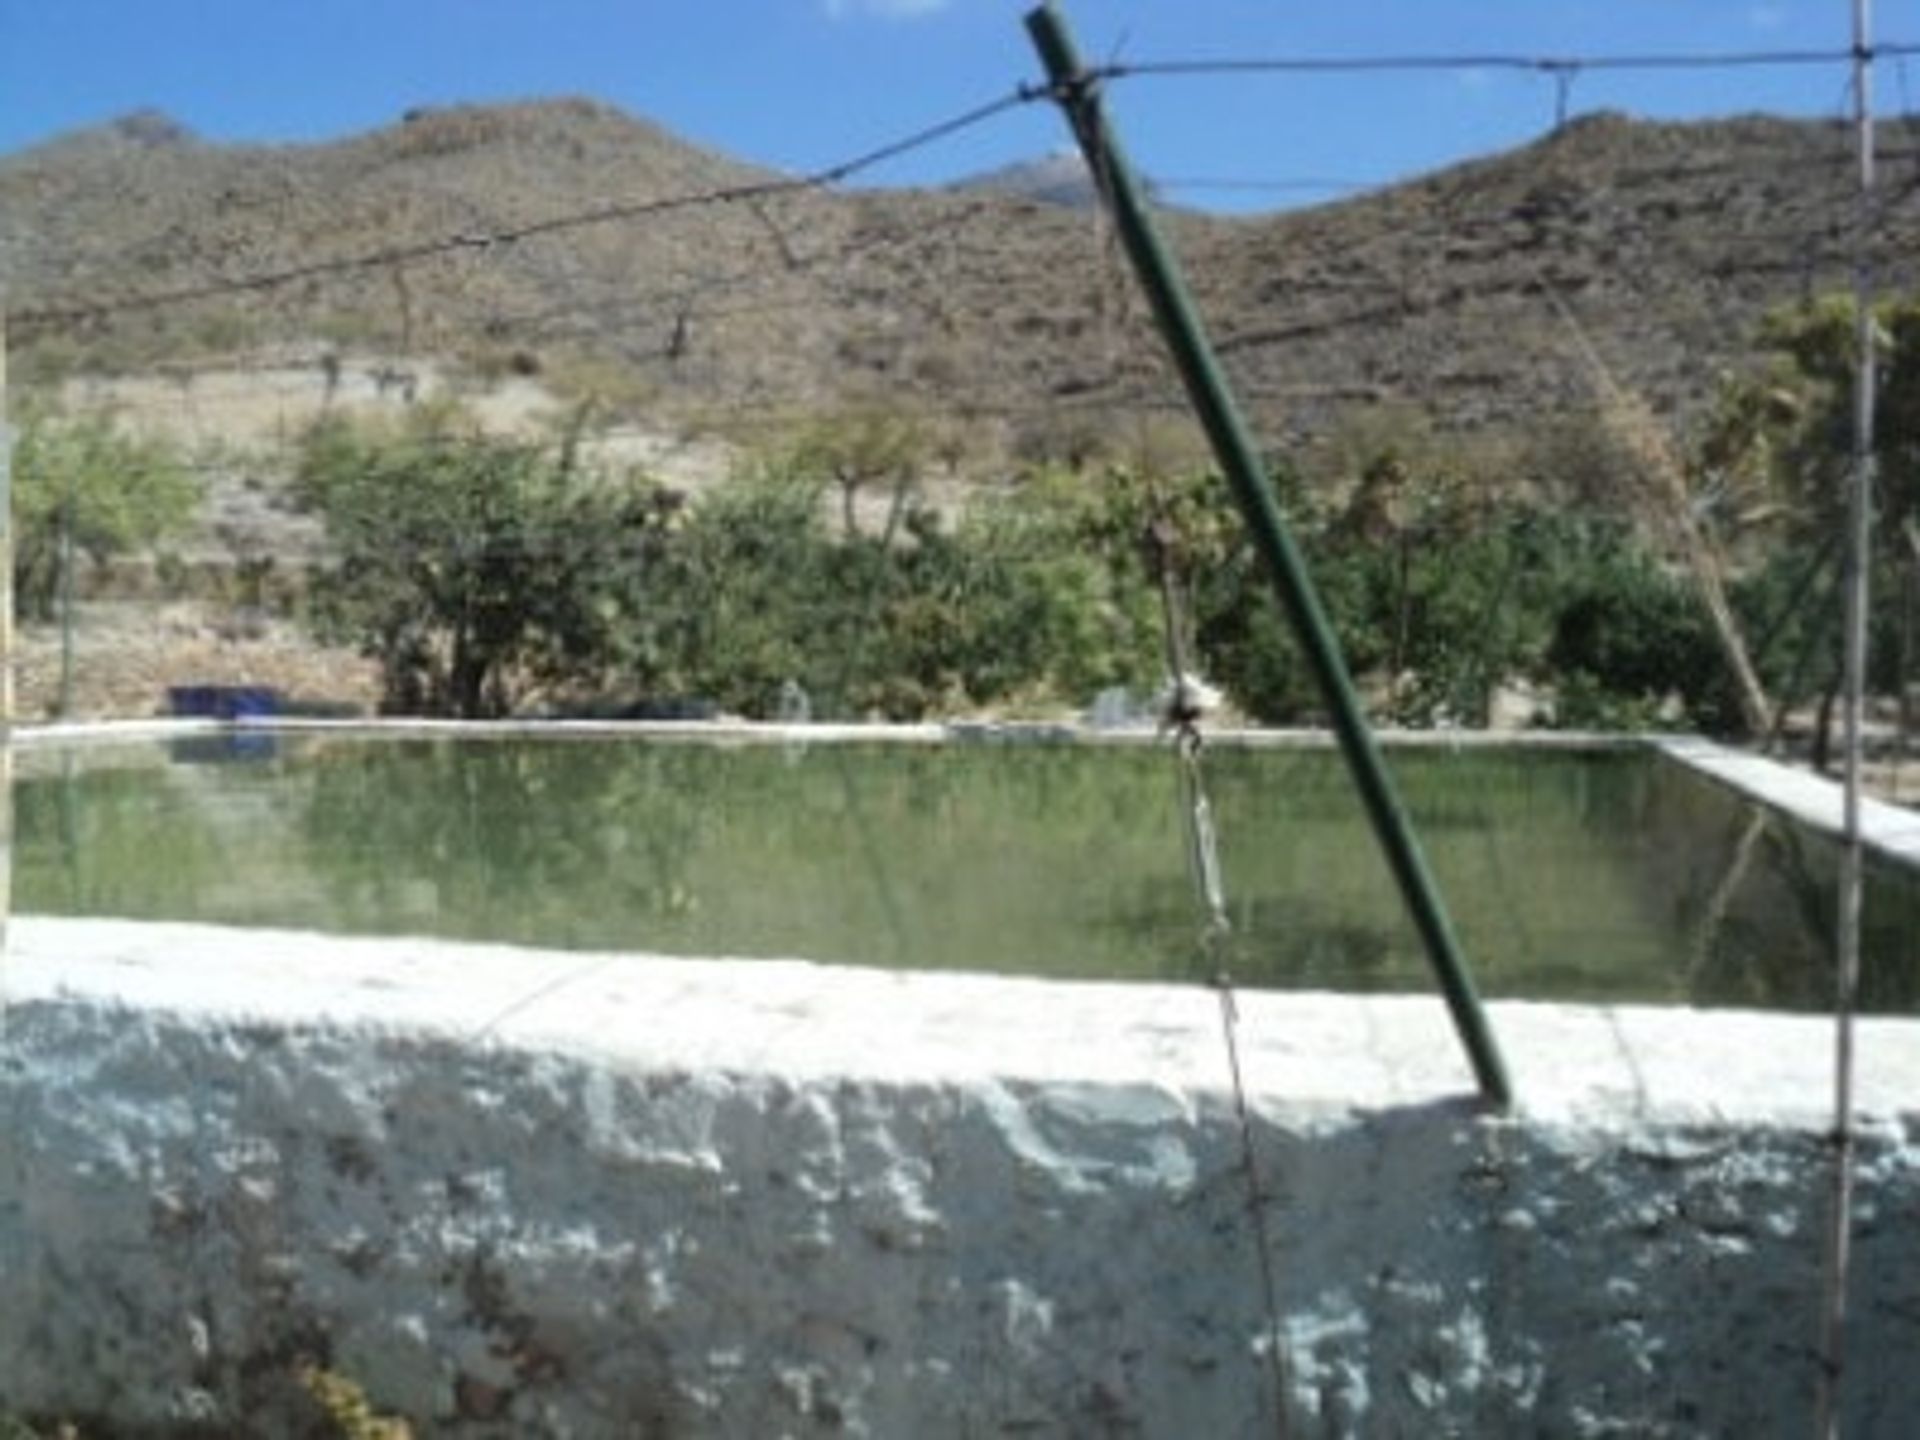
(1667,241)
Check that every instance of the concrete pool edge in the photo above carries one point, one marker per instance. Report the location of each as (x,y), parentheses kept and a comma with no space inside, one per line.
(1574,1064)
(775,732)
(558,1191)
(1891,831)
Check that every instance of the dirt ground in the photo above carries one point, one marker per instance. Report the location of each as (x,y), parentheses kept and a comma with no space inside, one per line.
(1897,780)
(127,653)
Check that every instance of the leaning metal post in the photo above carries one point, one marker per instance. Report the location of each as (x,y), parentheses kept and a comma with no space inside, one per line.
(1233,447)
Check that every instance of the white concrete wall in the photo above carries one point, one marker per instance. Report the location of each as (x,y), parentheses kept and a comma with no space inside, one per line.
(1892,831)
(519,1193)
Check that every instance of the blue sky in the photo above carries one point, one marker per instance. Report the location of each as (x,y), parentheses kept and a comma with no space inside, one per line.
(799,84)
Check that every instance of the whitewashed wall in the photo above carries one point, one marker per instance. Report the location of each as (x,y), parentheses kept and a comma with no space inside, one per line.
(521,1193)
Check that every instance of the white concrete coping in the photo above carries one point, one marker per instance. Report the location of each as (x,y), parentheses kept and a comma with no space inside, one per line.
(958,731)
(1143,1045)
(723,731)
(63,733)
(1815,801)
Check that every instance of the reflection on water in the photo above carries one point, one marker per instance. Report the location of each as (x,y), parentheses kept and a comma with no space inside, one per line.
(1569,875)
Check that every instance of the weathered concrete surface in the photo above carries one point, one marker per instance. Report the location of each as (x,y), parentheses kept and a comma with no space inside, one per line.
(1814,800)
(523,1193)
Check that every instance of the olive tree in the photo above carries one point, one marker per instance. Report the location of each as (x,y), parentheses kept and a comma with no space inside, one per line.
(107,491)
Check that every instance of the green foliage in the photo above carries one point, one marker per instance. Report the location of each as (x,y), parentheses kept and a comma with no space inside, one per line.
(476,571)
(1794,420)
(1435,593)
(117,492)
(1778,453)
(755,590)
(1054,617)
(737,600)
(1438,594)
(857,448)
(1050,589)
(483,574)
(1628,637)
(12,1427)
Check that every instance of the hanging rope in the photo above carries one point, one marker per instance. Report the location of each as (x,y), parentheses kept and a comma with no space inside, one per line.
(1183,704)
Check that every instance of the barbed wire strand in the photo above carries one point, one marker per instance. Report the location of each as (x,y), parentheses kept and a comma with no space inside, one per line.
(527,230)
(925,136)
(1534,64)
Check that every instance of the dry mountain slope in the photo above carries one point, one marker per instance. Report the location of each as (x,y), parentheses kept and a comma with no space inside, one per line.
(1670,241)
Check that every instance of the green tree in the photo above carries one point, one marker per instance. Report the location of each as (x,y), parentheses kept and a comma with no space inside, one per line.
(477,571)
(1779,453)
(1629,637)
(745,597)
(1011,602)
(116,492)
(858,448)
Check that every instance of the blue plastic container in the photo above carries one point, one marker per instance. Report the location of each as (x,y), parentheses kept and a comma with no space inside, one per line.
(222,702)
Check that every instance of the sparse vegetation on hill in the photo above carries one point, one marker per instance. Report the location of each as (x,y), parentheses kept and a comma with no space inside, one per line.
(1670,241)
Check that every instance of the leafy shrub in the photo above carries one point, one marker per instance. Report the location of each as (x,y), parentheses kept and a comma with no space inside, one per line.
(482,573)
(475,571)
(116,492)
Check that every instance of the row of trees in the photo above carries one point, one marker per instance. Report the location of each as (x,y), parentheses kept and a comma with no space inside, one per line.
(489,576)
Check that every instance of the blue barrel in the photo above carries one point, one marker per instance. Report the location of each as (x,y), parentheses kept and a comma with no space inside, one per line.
(250,701)
(222,702)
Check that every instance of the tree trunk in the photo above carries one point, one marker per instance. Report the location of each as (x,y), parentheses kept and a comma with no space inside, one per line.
(466,679)
(1903,693)
(1823,727)
(849,521)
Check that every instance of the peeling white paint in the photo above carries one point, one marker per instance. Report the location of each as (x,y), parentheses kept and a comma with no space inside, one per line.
(552,1194)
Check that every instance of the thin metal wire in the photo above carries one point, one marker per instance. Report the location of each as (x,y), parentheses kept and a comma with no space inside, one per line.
(1216,931)
(1203,861)
(1351,184)
(483,241)
(1535,64)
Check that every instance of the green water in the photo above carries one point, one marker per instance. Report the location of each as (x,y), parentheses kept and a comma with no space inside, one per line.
(1570,875)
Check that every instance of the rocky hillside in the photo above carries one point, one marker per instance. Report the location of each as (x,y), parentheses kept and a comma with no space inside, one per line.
(1668,242)
(1061,178)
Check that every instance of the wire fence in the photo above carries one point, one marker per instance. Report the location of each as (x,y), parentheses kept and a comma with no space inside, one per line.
(924,362)
(708,360)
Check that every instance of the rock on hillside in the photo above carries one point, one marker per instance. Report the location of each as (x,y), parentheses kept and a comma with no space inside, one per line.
(1058,179)
(1668,241)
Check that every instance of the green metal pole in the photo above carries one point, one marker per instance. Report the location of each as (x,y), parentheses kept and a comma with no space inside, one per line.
(1234,448)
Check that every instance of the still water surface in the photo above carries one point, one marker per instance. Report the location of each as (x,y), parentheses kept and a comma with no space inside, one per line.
(1570,875)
